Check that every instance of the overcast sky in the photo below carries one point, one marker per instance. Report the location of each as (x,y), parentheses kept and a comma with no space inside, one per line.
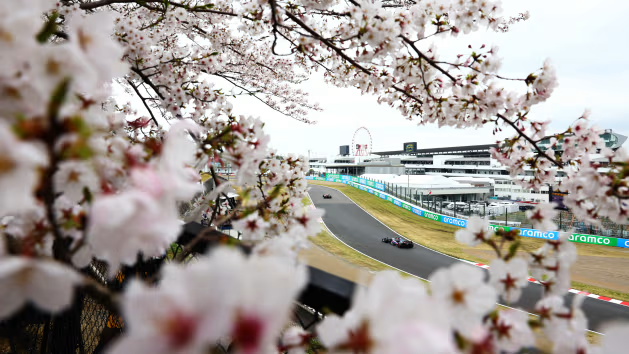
(586,41)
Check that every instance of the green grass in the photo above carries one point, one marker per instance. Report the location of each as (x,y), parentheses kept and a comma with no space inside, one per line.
(331,244)
(427,232)
(440,237)
(600,291)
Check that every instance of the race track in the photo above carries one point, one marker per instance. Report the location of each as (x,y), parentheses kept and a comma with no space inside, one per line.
(358,229)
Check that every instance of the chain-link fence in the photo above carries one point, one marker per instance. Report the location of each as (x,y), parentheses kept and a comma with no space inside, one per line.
(81,329)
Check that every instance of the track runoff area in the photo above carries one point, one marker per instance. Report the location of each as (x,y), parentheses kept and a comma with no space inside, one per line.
(359,230)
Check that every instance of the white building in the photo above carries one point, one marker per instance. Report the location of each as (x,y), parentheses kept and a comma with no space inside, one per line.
(463,164)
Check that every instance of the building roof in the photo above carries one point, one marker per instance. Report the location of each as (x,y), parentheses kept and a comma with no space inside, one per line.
(443,150)
(467,159)
(418,181)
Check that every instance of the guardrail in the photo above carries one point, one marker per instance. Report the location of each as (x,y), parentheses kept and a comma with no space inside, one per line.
(373,188)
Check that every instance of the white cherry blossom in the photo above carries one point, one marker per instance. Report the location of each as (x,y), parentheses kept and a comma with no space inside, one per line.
(125,224)
(252,227)
(511,331)
(462,288)
(73,176)
(615,339)
(47,284)
(509,277)
(476,232)
(372,325)
(294,340)
(189,312)
(19,164)
(542,216)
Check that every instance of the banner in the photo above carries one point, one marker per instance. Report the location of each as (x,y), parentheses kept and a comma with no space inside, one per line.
(453,221)
(594,240)
(548,235)
(495,228)
(431,216)
(622,242)
(379,186)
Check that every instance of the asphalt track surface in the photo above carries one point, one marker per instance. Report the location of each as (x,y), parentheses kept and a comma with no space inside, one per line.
(361,231)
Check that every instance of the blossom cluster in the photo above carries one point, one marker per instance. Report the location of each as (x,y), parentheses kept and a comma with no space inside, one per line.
(550,265)
(85,177)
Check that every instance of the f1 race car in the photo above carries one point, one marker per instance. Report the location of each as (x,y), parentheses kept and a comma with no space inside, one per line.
(398,242)
(327,196)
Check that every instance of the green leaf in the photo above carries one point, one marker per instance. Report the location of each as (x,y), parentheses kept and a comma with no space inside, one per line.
(513,249)
(58,97)
(50,27)
(88,195)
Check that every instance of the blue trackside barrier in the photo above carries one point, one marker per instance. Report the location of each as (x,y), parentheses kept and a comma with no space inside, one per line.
(376,189)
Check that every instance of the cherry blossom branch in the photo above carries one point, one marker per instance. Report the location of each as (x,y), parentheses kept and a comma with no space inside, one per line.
(529,139)
(478,71)
(96,4)
(147,81)
(101,3)
(328,43)
(49,195)
(274,18)
(408,94)
(430,61)
(143,101)
(250,93)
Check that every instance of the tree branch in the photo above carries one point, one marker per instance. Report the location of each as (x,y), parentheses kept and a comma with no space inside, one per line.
(327,42)
(529,139)
(143,101)
(430,61)
(147,80)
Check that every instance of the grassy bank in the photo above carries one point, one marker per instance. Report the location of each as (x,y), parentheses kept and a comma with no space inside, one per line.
(440,237)
(331,244)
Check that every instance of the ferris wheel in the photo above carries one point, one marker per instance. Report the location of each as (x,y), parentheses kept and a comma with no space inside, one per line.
(361,142)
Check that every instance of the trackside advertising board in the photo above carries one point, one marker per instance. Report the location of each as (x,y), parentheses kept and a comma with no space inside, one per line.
(431,216)
(365,185)
(621,242)
(548,235)
(595,240)
(453,221)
